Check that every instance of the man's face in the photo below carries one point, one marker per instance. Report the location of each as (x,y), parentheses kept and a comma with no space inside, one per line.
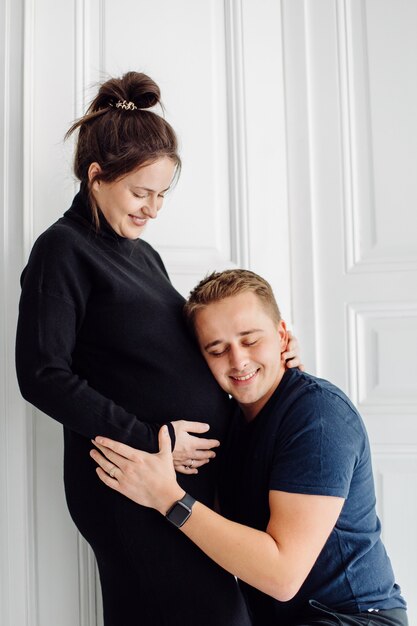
(242,345)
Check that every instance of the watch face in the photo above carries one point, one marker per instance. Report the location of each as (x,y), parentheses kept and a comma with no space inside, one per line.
(179,514)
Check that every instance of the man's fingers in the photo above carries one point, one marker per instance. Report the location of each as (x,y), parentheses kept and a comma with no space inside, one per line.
(164,441)
(103,462)
(113,457)
(117,446)
(107,480)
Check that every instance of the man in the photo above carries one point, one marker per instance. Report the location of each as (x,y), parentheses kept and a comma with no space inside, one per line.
(297,478)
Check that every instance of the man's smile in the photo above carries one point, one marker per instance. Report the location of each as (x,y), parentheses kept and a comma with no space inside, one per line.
(245,377)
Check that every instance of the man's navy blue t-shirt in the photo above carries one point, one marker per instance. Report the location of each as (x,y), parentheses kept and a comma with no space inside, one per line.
(310,439)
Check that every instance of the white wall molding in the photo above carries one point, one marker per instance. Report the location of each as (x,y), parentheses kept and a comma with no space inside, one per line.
(298,158)
(366,325)
(363,249)
(238,171)
(358,176)
(88,585)
(17,562)
(90,51)
(28,124)
(402,451)
(89,64)
(28,235)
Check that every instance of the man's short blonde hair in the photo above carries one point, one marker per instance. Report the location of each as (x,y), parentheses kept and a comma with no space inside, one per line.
(220,285)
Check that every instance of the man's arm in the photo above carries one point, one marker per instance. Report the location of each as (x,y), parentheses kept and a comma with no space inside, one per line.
(276,561)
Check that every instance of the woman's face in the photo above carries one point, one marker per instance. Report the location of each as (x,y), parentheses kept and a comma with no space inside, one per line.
(129,202)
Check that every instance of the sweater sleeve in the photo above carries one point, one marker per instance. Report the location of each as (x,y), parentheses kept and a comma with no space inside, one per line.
(45,342)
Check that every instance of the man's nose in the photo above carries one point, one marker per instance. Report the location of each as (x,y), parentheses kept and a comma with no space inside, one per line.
(238,358)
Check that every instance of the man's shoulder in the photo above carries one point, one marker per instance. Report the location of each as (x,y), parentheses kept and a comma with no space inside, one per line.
(309,399)
(304,387)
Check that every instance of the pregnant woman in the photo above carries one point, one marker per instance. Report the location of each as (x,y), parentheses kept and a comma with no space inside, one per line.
(102,347)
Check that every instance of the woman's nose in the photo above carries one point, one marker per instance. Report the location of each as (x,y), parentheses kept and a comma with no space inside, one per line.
(151,208)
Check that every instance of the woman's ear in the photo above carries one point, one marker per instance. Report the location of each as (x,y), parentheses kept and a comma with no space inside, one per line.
(93,171)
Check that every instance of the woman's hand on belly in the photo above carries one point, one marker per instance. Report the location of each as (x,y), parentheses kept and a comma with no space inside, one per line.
(192,452)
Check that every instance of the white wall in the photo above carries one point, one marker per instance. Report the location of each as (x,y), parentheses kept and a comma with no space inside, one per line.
(298,137)
(351,97)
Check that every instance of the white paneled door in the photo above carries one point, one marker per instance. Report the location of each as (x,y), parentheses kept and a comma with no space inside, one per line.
(351,68)
(298,138)
(207,57)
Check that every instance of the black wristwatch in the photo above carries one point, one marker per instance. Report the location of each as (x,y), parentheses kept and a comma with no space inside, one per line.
(180,511)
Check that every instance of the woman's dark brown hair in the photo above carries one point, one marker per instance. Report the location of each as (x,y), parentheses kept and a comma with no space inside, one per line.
(122,139)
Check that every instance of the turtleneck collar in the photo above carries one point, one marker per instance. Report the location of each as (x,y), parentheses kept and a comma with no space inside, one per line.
(81,211)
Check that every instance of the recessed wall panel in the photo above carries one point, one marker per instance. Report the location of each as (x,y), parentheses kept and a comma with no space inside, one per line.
(395,472)
(383,349)
(192,76)
(379,99)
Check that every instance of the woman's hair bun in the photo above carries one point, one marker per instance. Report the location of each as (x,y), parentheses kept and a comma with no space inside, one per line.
(131,87)
(121,133)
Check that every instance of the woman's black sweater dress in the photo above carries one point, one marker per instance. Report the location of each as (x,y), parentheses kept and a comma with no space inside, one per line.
(102,347)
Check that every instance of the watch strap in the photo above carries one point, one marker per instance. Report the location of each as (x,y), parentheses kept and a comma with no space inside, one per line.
(180,511)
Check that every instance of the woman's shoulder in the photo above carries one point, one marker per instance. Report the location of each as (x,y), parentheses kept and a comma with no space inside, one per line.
(62,235)
(57,258)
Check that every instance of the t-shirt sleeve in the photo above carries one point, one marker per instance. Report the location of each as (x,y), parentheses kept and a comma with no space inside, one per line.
(51,310)
(317,447)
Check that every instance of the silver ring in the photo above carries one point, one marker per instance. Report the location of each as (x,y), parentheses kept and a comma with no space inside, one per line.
(112,471)
(191,464)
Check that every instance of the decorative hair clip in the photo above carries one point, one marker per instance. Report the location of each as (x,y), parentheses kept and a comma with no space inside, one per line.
(124,104)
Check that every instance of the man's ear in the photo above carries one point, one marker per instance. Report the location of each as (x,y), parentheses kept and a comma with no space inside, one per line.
(283,334)
(93,170)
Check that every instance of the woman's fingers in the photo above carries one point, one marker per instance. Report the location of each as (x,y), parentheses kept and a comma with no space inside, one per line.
(198,455)
(185,469)
(202,455)
(192,427)
(292,356)
(188,446)
(205,444)
(191,463)
(184,427)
